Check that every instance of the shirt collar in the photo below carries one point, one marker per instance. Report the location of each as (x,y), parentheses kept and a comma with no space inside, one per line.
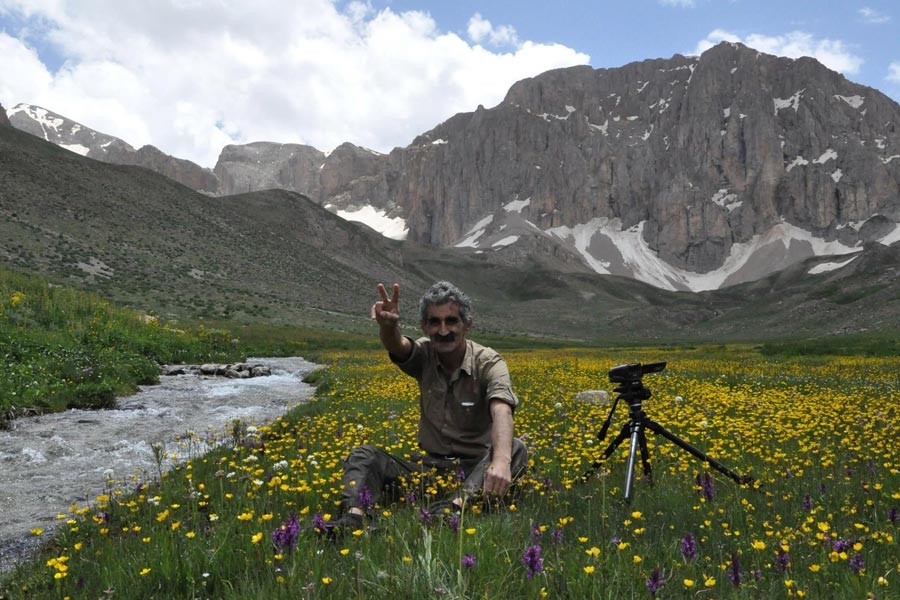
(468,362)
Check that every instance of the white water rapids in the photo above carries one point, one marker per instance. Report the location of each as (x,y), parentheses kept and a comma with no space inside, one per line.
(47,463)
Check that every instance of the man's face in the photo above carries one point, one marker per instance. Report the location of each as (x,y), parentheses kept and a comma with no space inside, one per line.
(445,327)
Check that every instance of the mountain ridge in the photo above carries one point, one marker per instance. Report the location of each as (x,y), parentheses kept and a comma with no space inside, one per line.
(688,173)
(139,238)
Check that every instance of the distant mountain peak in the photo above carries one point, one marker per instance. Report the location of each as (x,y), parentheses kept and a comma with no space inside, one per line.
(62,131)
(83,140)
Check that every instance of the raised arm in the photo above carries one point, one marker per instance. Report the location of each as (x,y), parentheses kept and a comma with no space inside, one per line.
(386,313)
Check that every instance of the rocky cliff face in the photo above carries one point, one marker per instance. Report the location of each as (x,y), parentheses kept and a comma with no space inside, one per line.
(699,154)
(4,120)
(340,177)
(76,137)
(267,165)
(183,171)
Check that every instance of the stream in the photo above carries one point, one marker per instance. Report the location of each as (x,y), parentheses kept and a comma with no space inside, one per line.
(49,462)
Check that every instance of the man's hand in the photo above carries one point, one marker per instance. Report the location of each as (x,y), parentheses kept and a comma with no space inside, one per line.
(386,311)
(497,478)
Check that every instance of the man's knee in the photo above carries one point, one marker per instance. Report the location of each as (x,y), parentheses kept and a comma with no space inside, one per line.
(363,453)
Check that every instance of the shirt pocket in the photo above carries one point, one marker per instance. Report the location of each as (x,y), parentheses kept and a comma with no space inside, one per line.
(469,409)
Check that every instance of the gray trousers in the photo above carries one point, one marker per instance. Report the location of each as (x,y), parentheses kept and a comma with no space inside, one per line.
(370,473)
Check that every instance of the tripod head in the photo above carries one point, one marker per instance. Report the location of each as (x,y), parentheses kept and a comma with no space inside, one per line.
(629,377)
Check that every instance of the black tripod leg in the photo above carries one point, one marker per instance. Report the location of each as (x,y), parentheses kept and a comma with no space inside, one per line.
(626,428)
(608,452)
(645,457)
(660,430)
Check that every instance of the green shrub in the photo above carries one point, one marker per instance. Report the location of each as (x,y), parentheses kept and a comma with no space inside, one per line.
(62,348)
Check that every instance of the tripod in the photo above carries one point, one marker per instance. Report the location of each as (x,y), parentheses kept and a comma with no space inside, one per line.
(632,390)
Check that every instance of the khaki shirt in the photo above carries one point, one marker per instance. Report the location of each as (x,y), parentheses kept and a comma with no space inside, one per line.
(455,409)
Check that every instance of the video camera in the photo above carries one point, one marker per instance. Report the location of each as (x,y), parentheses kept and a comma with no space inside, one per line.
(633,372)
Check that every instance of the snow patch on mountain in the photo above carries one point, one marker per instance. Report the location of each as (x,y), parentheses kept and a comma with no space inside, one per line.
(475,232)
(76,148)
(854,101)
(727,201)
(376,218)
(41,116)
(826,156)
(784,244)
(892,237)
(830,266)
(517,205)
(505,241)
(799,161)
(792,102)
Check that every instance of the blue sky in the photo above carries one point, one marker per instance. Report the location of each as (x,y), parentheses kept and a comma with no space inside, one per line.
(190,76)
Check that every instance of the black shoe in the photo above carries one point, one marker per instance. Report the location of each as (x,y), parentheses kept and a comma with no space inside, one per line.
(346,523)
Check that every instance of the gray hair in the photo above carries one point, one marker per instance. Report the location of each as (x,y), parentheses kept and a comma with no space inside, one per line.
(443,292)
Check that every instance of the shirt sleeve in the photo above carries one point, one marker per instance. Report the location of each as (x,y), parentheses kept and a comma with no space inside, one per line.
(413,365)
(498,384)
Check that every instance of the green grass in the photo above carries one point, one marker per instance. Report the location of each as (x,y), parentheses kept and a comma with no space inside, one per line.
(881,343)
(820,522)
(62,348)
(814,428)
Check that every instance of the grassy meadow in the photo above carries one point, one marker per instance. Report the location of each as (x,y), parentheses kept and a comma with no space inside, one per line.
(822,519)
(61,348)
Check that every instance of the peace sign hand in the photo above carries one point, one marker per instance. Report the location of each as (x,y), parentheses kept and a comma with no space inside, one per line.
(386,311)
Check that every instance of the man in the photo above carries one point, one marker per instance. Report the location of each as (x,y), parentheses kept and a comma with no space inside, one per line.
(466,408)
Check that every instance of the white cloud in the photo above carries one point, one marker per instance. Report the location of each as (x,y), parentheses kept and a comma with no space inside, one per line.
(872,16)
(894,72)
(834,54)
(22,68)
(191,76)
(480,29)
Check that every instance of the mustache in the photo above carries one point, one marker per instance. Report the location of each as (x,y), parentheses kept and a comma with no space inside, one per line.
(450,337)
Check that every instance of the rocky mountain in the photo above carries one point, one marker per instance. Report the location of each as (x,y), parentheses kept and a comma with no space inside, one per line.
(688,173)
(137,237)
(4,120)
(82,140)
